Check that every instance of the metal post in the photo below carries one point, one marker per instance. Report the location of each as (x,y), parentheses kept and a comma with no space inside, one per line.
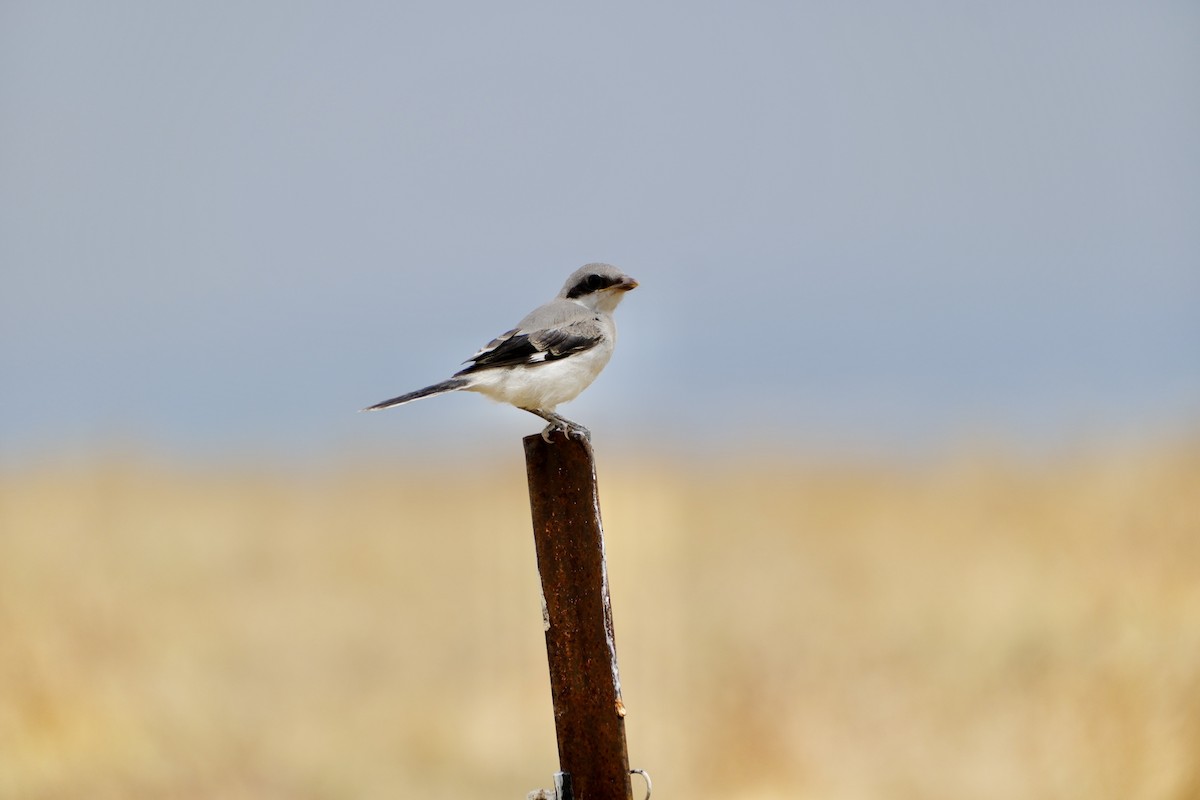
(584,683)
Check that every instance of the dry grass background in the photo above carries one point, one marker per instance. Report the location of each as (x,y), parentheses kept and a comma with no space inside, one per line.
(976,629)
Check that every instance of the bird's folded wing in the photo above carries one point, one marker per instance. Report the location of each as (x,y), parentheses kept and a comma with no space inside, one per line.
(516,347)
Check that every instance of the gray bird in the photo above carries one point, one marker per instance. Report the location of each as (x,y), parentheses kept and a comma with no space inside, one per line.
(552,355)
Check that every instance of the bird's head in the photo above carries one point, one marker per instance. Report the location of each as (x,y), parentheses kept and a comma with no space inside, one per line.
(597,286)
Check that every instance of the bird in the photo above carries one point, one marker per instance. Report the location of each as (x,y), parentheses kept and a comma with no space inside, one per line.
(552,355)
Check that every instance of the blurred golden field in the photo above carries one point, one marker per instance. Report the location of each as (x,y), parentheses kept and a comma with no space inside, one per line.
(979,628)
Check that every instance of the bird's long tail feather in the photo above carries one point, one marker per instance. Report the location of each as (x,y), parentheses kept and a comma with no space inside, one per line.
(452,385)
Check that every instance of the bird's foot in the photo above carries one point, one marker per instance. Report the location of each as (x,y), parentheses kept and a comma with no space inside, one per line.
(578,431)
(568,429)
(559,423)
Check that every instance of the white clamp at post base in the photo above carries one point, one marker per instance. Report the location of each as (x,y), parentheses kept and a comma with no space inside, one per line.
(562,787)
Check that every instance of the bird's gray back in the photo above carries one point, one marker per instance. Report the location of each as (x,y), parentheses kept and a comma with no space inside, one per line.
(560,313)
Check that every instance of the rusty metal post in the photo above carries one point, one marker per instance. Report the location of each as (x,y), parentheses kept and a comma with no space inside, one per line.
(576,611)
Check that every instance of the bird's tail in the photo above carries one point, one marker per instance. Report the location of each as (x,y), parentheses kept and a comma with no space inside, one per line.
(452,385)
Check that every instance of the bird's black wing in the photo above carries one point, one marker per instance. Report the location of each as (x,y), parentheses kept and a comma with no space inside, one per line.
(516,348)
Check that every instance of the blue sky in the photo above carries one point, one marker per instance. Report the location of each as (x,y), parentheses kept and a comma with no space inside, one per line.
(225,227)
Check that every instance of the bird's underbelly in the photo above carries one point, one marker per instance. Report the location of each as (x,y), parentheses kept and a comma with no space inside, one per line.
(545,385)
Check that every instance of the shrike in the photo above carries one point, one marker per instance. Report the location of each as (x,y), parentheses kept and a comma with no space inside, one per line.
(550,357)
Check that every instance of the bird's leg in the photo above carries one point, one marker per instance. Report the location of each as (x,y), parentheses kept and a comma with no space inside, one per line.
(559,423)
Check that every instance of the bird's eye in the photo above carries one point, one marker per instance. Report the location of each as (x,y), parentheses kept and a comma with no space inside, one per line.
(595,283)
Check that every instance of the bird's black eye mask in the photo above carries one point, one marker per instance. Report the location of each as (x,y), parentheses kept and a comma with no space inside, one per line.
(592,283)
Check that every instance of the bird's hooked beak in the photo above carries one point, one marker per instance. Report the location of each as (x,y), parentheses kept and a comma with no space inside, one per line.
(626,284)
